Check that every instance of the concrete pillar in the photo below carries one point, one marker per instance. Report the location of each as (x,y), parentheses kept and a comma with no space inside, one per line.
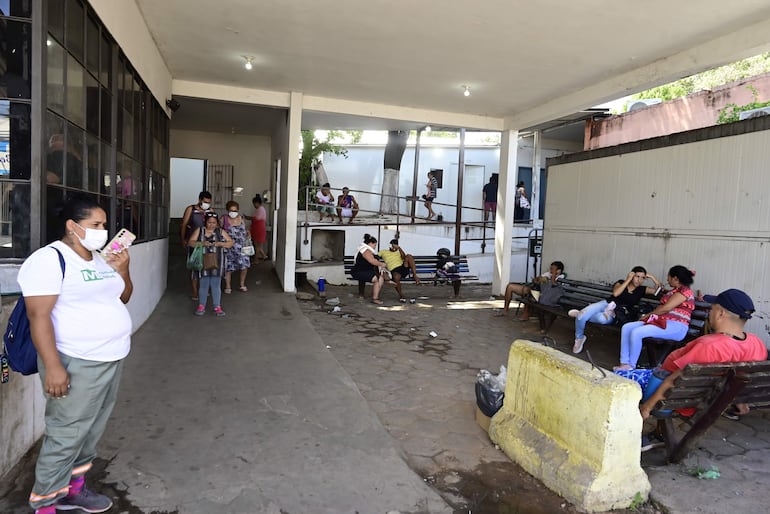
(290,190)
(506,192)
(537,143)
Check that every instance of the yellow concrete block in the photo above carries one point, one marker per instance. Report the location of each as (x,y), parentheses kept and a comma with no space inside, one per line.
(572,428)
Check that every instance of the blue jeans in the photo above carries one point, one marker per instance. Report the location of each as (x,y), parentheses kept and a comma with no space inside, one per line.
(213,283)
(592,313)
(632,334)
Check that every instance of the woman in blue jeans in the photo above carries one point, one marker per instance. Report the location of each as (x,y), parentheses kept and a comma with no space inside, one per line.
(625,294)
(670,320)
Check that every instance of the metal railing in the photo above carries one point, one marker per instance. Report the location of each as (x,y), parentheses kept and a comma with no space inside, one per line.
(368,217)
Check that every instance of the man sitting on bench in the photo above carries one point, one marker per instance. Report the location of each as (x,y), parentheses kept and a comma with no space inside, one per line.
(727,343)
(400,264)
(545,281)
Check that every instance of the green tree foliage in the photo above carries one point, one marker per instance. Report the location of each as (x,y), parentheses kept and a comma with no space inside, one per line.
(312,148)
(709,79)
(732,112)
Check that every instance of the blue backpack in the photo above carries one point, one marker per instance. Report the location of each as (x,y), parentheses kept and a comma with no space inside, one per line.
(17,340)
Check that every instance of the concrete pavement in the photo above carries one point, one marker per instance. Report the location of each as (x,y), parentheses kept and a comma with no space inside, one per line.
(422,389)
(286,407)
(244,414)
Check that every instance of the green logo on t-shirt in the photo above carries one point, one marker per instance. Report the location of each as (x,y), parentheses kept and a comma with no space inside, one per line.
(90,275)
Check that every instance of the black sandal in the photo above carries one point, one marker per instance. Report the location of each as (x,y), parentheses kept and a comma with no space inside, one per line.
(732,413)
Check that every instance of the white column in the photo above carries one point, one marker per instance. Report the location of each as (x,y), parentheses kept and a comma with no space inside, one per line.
(537,143)
(506,192)
(290,188)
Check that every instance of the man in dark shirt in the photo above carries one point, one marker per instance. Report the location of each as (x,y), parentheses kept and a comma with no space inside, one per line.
(490,197)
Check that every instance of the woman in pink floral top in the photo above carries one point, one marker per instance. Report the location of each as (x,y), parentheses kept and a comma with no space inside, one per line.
(670,320)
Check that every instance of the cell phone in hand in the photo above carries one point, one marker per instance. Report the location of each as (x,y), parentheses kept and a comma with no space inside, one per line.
(120,242)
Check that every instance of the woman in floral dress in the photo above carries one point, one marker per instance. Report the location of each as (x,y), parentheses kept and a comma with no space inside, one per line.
(235,225)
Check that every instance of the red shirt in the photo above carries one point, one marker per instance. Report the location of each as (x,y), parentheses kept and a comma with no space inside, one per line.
(716,348)
(683,311)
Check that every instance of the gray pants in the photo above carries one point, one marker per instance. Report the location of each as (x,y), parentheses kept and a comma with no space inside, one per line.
(73,426)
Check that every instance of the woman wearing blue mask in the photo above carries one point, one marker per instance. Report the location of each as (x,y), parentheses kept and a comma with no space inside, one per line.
(82,332)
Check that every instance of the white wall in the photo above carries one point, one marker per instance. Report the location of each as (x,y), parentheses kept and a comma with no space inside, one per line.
(363,170)
(705,205)
(186,184)
(250,156)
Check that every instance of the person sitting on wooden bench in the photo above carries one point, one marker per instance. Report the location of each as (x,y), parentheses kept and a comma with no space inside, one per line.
(366,268)
(670,320)
(400,265)
(728,343)
(626,295)
(544,281)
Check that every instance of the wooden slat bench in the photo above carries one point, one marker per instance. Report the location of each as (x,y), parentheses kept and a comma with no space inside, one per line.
(578,294)
(709,388)
(426,270)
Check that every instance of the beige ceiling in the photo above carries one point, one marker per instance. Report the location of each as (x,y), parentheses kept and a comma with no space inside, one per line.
(525,61)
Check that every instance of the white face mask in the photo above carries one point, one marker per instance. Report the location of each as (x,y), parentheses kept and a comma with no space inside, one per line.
(205,205)
(233,214)
(95,238)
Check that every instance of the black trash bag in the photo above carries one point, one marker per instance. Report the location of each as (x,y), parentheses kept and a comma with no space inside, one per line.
(488,399)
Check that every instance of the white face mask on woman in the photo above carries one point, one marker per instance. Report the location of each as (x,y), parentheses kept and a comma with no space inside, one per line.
(205,206)
(95,238)
(233,214)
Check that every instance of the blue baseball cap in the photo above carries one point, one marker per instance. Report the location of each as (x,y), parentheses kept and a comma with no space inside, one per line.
(735,301)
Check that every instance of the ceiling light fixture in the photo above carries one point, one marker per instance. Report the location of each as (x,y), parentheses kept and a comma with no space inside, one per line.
(249,61)
(466,90)
(428,128)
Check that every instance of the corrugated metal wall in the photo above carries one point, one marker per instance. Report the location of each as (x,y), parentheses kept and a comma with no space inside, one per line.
(703,204)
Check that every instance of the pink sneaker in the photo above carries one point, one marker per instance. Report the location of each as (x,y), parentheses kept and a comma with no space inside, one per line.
(201,310)
(218,311)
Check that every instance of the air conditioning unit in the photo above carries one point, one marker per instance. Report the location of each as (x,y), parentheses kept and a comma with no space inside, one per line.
(641,104)
(754,113)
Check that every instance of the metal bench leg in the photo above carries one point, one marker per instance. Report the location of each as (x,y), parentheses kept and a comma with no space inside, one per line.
(361,288)
(679,450)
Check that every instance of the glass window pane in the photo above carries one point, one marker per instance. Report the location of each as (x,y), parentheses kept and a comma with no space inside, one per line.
(92,45)
(93,172)
(15,140)
(105,68)
(56,18)
(128,133)
(106,115)
(73,158)
(54,159)
(75,31)
(128,92)
(106,167)
(19,216)
(15,59)
(92,105)
(55,197)
(55,89)
(119,79)
(75,92)
(20,8)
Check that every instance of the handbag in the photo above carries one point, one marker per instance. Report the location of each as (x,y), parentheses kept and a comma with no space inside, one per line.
(210,261)
(654,319)
(248,248)
(195,260)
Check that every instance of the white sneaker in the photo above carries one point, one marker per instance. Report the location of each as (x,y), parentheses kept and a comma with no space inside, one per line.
(573,313)
(578,346)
